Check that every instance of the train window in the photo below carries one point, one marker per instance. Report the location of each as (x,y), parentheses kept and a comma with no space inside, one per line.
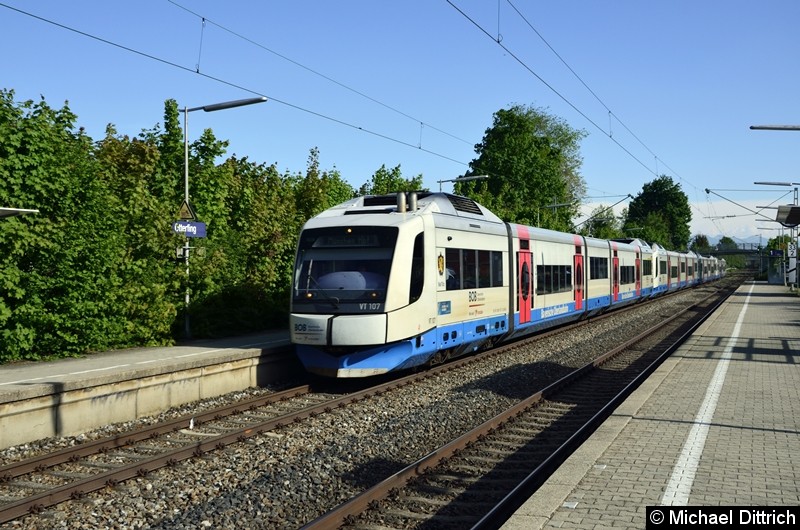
(337,266)
(553,279)
(525,282)
(627,274)
(417,270)
(683,267)
(484,268)
(470,274)
(598,268)
(662,267)
(470,269)
(452,262)
(690,271)
(647,267)
(497,268)
(674,271)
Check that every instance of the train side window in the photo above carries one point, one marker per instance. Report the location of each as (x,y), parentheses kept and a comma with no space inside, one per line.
(484,268)
(417,270)
(627,274)
(453,268)
(542,280)
(598,268)
(525,282)
(470,273)
(497,269)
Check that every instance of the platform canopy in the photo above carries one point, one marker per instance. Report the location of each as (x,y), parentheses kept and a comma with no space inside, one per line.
(13,212)
(788,215)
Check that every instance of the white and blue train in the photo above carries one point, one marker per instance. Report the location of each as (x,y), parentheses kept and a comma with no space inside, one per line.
(392,282)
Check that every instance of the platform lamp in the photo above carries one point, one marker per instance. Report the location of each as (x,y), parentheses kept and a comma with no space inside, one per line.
(463,179)
(186,110)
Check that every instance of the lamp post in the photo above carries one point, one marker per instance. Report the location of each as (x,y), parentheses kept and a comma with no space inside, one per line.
(793,229)
(186,110)
(462,179)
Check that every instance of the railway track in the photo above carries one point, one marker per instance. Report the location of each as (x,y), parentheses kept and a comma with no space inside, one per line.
(30,486)
(478,480)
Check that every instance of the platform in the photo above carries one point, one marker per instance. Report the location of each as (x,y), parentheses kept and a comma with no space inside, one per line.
(718,424)
(69,396)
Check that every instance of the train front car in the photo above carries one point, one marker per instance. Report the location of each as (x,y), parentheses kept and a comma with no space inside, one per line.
(373,281)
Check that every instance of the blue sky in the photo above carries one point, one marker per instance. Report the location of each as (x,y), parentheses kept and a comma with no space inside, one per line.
(672,86)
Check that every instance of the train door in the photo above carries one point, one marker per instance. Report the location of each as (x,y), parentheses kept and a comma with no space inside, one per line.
(615,278)
(669,273)
(578,281)
(525,286)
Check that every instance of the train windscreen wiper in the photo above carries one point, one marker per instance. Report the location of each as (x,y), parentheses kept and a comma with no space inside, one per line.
(332,299)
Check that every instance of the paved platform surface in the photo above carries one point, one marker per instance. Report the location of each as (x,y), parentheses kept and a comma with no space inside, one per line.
(718,424)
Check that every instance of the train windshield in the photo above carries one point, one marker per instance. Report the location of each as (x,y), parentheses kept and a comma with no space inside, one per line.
(344,265)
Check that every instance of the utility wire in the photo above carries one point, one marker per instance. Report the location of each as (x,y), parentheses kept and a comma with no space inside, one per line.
(611,113)
(315,72)
(233,85)
(548,85)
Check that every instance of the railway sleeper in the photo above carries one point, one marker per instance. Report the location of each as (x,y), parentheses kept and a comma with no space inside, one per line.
(448,481)
(511,438)
(439,518)
(424,500)
(28,485)
(70,475)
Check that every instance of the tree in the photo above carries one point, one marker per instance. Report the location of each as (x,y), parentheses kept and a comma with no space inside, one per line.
(734,260)
(779,242)
(385,181)
(700,244)
(318,190)
(58,269)
(661,214)
(726,243)
(147,279)
(603,224)
(532,160)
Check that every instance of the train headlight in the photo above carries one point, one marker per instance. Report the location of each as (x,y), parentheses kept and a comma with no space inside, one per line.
(309,295)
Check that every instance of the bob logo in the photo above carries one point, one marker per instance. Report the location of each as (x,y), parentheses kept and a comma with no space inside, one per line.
(440,264)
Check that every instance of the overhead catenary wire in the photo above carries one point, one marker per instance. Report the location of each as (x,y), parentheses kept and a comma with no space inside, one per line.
(235,85)
(319,74)
(611,113)
(422,124)
(197,71)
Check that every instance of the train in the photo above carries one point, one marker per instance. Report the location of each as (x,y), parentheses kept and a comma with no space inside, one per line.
(387,283)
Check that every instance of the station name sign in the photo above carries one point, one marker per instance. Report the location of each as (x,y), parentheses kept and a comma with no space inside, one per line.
(189,228)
